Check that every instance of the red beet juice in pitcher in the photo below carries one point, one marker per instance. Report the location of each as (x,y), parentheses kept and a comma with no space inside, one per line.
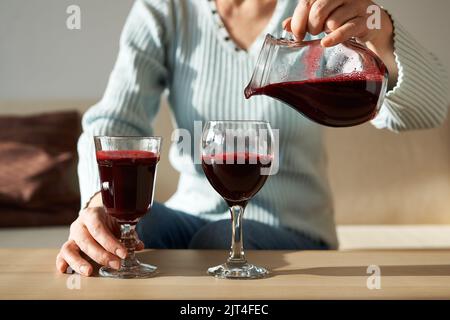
(340,86)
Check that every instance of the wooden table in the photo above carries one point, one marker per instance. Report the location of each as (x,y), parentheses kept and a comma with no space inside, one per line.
(411,274)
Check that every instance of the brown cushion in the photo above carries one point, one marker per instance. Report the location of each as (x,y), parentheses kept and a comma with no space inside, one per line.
(18,217)
(37,168)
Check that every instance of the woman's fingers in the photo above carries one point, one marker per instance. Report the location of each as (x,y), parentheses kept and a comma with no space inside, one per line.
(61,264)
(353,28)
(95,224)
(338,18)
(70,253)
(320,12)
(299,22)
(139,243)
(91,248)
(287,24)
(342,19)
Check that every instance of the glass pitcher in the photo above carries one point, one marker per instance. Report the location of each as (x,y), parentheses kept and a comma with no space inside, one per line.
(339,86)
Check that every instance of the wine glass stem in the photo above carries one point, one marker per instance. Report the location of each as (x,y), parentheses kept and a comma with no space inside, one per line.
(237,246)
(127,237)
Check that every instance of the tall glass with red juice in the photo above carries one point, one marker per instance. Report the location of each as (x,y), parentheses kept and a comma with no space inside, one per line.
(127,170)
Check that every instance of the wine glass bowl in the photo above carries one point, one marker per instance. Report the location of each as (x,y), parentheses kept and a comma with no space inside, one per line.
(237,158)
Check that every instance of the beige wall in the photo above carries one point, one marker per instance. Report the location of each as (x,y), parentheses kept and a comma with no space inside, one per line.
(40,59)
(44,66)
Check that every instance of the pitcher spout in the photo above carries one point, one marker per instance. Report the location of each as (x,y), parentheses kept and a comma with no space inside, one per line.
(261,72)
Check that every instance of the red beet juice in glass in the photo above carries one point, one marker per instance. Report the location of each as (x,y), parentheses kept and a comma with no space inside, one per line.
(127,182)
(236,176)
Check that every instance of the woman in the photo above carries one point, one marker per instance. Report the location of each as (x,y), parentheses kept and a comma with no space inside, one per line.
(204,52)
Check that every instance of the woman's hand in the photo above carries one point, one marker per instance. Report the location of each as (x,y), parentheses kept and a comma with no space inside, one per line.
(94,234)
(342,20)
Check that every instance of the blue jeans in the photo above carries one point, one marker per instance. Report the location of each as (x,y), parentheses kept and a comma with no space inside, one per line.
(165,228)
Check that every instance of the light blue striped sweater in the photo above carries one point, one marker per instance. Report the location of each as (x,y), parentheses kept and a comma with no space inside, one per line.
(181,46)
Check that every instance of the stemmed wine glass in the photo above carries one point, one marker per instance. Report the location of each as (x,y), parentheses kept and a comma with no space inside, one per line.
(127,169)
(237,159)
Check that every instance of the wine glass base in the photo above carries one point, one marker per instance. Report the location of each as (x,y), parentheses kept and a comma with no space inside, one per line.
(238,271)
(140,270)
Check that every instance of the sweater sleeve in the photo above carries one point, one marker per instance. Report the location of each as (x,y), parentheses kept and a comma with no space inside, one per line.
(420,98)
(131,99)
